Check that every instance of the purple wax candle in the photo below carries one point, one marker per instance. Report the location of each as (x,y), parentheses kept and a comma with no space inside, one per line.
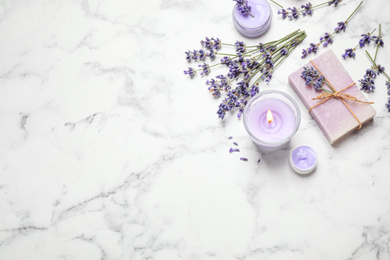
(271,118)
(303,159)
(255,24)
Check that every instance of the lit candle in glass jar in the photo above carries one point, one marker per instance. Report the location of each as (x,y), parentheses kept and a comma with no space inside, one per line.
(271,118)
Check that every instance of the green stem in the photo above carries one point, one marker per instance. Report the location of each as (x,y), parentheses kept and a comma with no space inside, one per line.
(346,21)
(277,4)
(376,66)
(377,46)
(315,6)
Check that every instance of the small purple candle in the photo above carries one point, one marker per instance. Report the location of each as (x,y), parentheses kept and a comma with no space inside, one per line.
(303,159)
(255,24)
(271,118)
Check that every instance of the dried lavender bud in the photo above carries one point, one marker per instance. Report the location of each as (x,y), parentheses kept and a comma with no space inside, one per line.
(232,150)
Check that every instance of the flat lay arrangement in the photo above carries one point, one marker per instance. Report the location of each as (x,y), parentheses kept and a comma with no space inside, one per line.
(227,129)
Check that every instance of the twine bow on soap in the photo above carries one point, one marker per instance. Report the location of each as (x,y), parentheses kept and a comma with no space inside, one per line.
(338,95)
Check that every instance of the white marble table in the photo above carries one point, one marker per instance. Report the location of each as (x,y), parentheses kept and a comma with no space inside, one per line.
(108,151)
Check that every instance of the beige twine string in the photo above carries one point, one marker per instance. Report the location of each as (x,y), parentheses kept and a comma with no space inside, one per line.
(338,95)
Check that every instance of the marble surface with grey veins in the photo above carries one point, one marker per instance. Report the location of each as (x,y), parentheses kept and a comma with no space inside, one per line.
(108,151)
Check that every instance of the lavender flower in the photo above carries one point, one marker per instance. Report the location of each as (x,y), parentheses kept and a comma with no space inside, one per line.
(240,47)
(243,7)
(341,27)
(191,72)
(388,104)
(283,12)
(211,44)
(319,83)
(367,83)
(211,54)
(214,87)
(304,53)
(388,86)
(327,39)
(307,9)
(202,55)
(294,13)
(380,69)
(371,73)
(283,52)
(254,90)
(335,2)
(313,77)
(188,56)
(313,48)
(378,40)
(206,69)
(365,40)
(349,53)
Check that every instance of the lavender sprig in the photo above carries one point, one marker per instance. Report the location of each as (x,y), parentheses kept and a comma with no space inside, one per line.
(371,74)
(368,83)
(328,37)
(304,9)
(350,53)
(246,68)
(244,8)
(314,78)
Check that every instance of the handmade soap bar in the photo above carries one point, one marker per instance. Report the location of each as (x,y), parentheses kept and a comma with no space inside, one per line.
(332,116)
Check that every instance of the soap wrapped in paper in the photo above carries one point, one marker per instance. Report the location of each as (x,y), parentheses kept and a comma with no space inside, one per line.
(334,117)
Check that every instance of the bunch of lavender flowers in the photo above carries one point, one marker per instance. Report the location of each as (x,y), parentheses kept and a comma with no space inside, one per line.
(328,37)
(244,8)
(246,68)
(305,9)
(314,78)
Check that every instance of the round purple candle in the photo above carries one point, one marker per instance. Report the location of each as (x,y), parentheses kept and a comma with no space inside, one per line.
(266,132)
(303,159)
(255,24)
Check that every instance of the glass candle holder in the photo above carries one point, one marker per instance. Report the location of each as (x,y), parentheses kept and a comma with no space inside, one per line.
(271,119)
(258,24)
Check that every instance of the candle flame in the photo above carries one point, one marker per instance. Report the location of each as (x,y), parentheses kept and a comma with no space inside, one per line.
(270,118)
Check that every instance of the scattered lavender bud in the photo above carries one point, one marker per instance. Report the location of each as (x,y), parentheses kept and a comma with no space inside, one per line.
(243,159)
(232,150)
(230,137)
(236,144)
